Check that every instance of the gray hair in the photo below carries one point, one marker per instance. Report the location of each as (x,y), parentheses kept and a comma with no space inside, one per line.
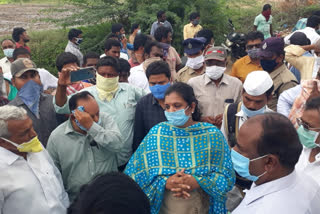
(7,113)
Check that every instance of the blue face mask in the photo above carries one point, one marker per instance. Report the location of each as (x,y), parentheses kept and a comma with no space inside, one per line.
(268,65)
(177,118)
(251,113)
(30,95)
(8,52)
(241,165)
(80,108)
(158,91)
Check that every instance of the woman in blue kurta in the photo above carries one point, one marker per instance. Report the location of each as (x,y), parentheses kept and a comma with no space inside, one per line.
(183,166)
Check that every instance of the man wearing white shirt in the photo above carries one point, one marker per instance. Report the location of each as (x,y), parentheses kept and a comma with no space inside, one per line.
(266,152)
(310,31)
(257,90)
(152,52)
(308,131)
(30,183)
(8,47)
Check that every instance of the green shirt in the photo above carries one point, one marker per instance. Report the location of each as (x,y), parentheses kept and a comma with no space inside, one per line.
(263,25)
(122,109)
(77,160)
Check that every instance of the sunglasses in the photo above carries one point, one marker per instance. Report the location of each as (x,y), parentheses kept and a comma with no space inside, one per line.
(253,46)
(306,126)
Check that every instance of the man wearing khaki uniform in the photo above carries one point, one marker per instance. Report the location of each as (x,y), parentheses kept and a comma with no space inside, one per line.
(271,59)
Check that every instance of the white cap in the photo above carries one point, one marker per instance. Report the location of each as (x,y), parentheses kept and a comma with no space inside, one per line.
(257,83)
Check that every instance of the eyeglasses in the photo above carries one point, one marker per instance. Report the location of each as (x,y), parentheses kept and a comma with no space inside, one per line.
(306,126)
(253,46)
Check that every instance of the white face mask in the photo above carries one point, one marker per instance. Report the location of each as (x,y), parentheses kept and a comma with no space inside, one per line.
(215,72)
(195,63)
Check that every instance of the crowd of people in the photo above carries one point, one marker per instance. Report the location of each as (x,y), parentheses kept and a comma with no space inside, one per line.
(153,133)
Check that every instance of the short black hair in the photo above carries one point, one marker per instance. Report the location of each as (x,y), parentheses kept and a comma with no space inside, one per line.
(139,41)
(270,90)
(113,192)
(266,7)
(161,32)
(66,58)
(115,28)
(313,21)
(17,32)
(112,35)
(160,13)
(253,35)
(84,95)
(187,93)
(90,55)
(134,27)
(158,67)
(109,61)
(313,104)
(8,40)
(194,15)
(148,46)
(278,137)
(109,43)
(206,33)
(20,51)
(74,33)
(316,13)
(124,65)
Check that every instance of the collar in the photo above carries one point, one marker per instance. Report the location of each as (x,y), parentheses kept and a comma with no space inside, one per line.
(310,29)
(154,101)
(7,156)
(191,25)
(70,130)
(73,45)
(191,71)
(224,80)
(277,72)
(257,192)
(247,60)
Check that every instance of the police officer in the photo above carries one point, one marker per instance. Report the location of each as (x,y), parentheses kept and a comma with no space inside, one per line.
(271,59)
(193,48)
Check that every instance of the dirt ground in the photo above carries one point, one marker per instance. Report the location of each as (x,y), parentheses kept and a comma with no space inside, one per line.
(30,16)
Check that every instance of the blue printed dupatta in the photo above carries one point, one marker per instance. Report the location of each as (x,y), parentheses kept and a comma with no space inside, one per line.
(200,149)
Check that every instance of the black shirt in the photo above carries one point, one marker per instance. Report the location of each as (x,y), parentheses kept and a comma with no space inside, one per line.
(148,114)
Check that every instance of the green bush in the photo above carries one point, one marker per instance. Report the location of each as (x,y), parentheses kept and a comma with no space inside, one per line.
(47,45)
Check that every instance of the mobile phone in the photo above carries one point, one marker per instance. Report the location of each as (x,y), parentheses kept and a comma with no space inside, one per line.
(82,74)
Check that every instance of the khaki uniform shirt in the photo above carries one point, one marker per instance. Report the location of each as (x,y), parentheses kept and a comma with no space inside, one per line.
(187,73)
(212,98)
(283,79)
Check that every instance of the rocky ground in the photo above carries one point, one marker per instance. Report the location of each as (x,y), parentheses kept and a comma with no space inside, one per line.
(31,16)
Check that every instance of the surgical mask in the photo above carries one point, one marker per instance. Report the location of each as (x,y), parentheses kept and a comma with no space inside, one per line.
(253,53)
(251,113)
(30,95)
(215,72)
(79,41)
(241,165)
(158,91)
(107,87)
(177,118)
(268,65)
(32,145)
(308,137)
(139,31)
(195,22)
(8,52)
(195,63)
(80,108)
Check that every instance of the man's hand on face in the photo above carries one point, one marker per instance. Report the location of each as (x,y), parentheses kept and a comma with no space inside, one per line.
(84,119)
(64,75)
